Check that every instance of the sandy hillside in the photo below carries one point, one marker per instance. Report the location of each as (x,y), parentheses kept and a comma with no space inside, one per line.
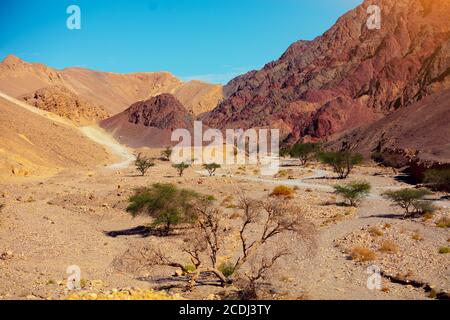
(32,144)
(112,91)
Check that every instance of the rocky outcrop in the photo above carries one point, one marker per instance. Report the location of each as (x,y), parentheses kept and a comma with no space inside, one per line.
(150,122)
(349,76)
(63,102)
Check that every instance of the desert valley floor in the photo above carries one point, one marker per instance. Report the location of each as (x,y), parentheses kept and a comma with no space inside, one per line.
(69,218)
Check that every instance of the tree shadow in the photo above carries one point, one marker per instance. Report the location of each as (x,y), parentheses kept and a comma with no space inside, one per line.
(142,231)
(386,216)
(179,282)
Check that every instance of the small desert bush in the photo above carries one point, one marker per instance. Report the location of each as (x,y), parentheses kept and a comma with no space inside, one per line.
(375,232)
(388,246)
(439,179)
(443,222)
(227,268)
(362,254)
(444,250)
(417,236)
(181,167)
(143,164)
(353,192)
(166,154)
(211,168)
(427,216)
(283,191)
(189,268)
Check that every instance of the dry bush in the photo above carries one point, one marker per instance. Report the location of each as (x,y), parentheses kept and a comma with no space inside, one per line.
(417,236)
(283,192)
(375,232)
(388,246)
(362,254)
(261,223)
(443,222)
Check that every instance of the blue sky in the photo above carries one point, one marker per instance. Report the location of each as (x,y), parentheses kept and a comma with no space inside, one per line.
(211,40)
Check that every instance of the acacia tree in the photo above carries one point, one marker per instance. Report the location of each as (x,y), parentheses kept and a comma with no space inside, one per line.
(211,168)
(304,151)
(342,162)
(143,164)
(166,203)
(410,200)
(261,222)
(181,167)
(354,192)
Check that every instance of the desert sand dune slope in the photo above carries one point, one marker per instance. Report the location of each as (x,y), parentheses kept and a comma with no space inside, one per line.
(114,92)
(33,142)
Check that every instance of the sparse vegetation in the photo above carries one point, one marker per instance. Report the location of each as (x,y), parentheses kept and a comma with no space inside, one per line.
(353,192)
(439,179)
(166,154)
(443,222)
(362,254)
(409,199)
(342,162)
(261,222)
(417,236)
(303,151)
(181,167)
(143,164)
(444,250)
(283,191)
(166,203)
(388,246)
(211,168)
(375,232)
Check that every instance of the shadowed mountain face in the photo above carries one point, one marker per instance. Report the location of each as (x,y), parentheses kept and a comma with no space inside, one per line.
(111,91)
(149,123)
(348,77)
(417,135)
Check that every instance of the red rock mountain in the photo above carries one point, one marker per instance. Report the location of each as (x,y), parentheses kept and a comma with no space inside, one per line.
(150,122)
(111,91)
(349,76)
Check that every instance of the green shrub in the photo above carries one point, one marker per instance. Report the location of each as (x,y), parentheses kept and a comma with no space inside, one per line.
(227,269)
(211,168)
(444,250)
(166,203)
(353,192)
(303,151)
(143,164)
(408,199)
(342,162)
(439,179)
(166,154)
(181,167)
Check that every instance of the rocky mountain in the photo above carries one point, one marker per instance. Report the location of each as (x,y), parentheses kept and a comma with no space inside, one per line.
(111,91)
(417,136)
(349,76)
(149,123)
(63,102)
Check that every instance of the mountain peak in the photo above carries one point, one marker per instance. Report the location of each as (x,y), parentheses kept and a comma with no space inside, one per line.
(12,59)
